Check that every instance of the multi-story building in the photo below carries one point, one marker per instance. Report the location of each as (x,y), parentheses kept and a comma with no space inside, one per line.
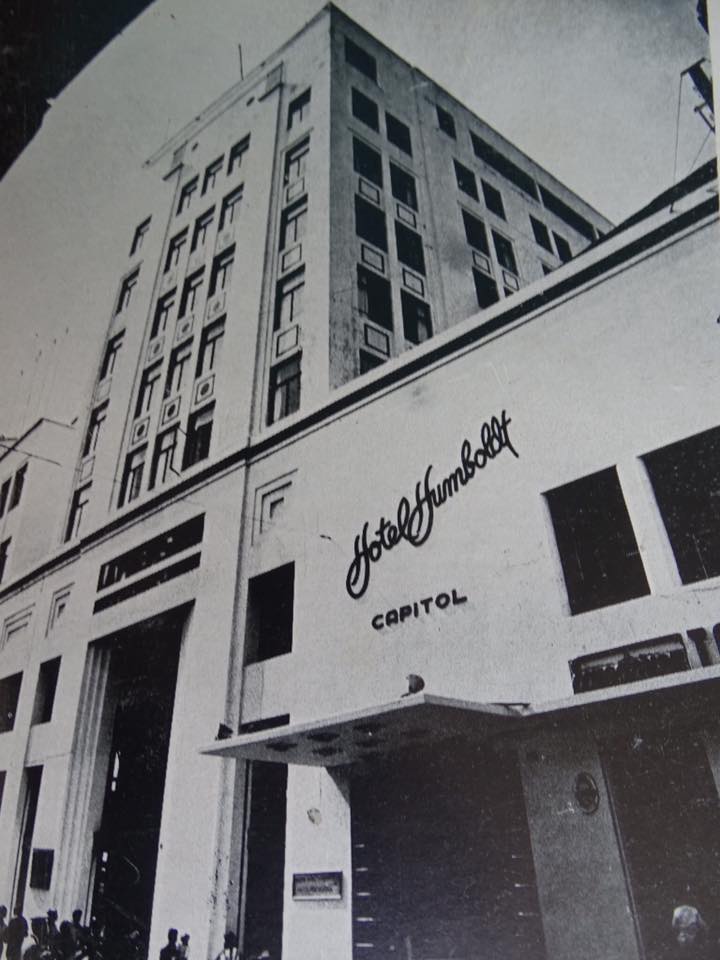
(409,507)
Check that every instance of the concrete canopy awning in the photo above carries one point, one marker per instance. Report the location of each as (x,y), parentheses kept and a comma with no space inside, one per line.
(357,735)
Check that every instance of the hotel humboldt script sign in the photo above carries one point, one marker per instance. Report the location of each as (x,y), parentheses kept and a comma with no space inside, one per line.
(414,517)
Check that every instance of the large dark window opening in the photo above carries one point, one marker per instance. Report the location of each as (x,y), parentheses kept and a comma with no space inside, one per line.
(269,627)
(45,692)
(370,223)
(367,162)
(374,297)
(486,289)
(598,551)
(32,780)
(9,695)
(409,248)
(417,325)
(685,477)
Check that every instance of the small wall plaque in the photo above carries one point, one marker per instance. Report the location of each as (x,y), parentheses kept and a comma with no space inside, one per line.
(317,886)
(586,792)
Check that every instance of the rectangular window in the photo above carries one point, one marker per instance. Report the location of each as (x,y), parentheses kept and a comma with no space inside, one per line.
(4,494)
(416,318)
(164,457)
(541,234)
(163,309)
(409,247)
(374,298)
(230,208)
(398,133)
(369,361)
(284,389)
(4,550)
(485,289)
(504,252)
(562,247)
(299,109)
(269,630)
(567,214)
(174,249)
(370,223)
(360,59)
(2,787)
(199,434)
(190,300)
(132,476)
(45,691)
(139,236)
(367,162)
(152,552)
(111,352)
(201,228)
(403,186)
(293,223)
(493,199)
(506,168)
(289,299)
(685,478)
(211,174)
(97,418)
(475,233)
(80,500)
(126,291)
(236,154)
(210,344)
(465,180)
(179,360)
(9,696)
(596,542)
(186,194)
(17,487)
(148,384)
(446,122)
(296,161)
(221,271)
(365,110)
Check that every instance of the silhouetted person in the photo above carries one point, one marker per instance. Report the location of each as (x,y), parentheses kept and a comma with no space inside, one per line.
(3,927)
(184,948)
(16,932)
(65,944)
(230,947)
(170,951)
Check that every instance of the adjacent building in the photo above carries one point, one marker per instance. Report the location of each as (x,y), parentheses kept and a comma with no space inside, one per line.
(369,609)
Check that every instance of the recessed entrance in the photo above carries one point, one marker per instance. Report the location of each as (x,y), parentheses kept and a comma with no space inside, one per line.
(442,864)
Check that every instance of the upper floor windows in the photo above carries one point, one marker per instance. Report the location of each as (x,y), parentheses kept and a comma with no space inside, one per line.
(139,236)
(465,180)
(562,247)
(289,299)
(9,696)
(493,158)
(174,249)
(164,457)
(446,122)
(210,344)
(504,252)
(237,153)
(111,354)
(189,300)
(360,59)
(293,223)
(163,309)
(17,486)
(4,494)
(201,229)
(186,194)
(409,247)
(571,217)
(398,133)
(97,418)
(403,186)
(367,162)
(284,389)
(211,174)
(148,389)
(127,288)
(199,434)
(78,508)
(485,289)
(417,326)
(475,233)
(299,109)
(541,234)
(132,476)
(365,110)
(221,271)
(230,208)
(4,551)
(296,160)
(370,223)
(493,199)
(179,362)
(374,297)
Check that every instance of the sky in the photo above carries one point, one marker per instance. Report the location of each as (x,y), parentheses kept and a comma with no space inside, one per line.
(588,88)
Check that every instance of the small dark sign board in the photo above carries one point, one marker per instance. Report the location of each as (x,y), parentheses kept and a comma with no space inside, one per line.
(317,886)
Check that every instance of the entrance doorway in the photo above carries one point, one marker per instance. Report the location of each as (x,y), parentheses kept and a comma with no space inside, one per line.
(668,817)
(442,864)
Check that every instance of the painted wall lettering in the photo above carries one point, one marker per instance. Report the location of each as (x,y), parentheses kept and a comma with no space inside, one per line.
(414,523)
(442,601)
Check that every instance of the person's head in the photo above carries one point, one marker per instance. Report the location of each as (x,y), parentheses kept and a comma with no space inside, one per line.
(3,911)
(66,929)
(52,915)
(18,910)
(77,916)
(230,940)
(688,925)
(172,935)
(185,939)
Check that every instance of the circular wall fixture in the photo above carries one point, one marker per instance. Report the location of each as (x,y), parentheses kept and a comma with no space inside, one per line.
(586,792)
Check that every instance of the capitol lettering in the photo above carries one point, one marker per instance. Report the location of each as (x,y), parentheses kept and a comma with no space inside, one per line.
(441,602)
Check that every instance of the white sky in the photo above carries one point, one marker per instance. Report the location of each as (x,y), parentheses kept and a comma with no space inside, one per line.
(588,88)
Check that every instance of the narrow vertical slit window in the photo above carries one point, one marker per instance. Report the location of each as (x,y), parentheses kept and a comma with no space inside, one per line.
(132,476)
(210,344)
(199,434)
(417,325)
(163,464)
(289,299)
(299,109)
(284,389)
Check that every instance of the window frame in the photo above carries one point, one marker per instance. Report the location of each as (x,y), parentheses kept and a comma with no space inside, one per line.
(186,194)
(398,133)
(466,180)
(365,109)
(284,396)
(299,109)
(211,174)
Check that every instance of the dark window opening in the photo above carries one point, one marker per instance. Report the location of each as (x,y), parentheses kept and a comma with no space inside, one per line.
(398,133)
(2,786)
(211,174)
(45,692)
(567,214)
(446,122)
(293,223)
(638,661)
(132,476)
(189,299)
(210,345)
(295,161)
(162,547)
(17,487)
(542,235)
(369,361)
(127,288)
(475,233)
(32,779)
(162,314)
(493,158)
(403,186)
(367,162)
(370,223)
(199,434)
(504,252)
(596,542)
(221,271)
(9,696)
(465,180)
(374,297)
(269,631)
(685,478)
(4,494)
(230,207)
(163,462)
(236,154)
(174,248)
(4,550)
(365,110)
(97,418)
(284,389)
(186,194)
(289,299)
(493,199)
(111,352)
(78,510)
(41,869)
(485,289)
(417,325)
(179,362)
(360,59)
(139,236)
(409,248)
(563,248)
(148,383)
(299,109)
(201,229)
